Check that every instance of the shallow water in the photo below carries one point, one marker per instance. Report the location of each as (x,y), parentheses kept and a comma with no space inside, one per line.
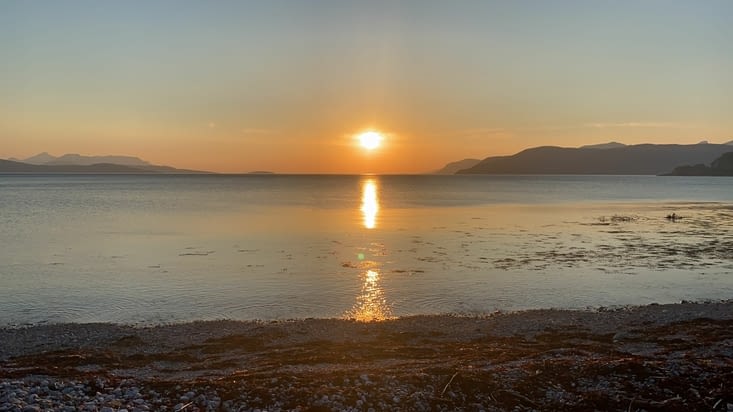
(157,249)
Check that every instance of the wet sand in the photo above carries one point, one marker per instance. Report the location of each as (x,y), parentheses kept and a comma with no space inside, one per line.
(656,357)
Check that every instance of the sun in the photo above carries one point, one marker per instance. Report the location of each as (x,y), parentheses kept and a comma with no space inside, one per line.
(370,140)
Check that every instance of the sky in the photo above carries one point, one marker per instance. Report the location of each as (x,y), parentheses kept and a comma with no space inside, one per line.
(284,86)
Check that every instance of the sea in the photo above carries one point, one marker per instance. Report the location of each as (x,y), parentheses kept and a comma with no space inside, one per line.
(160,249)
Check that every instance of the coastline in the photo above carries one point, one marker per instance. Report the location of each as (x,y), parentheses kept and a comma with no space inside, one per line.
(672,357)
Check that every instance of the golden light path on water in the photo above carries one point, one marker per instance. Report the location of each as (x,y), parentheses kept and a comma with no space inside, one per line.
(371,304)
(369,203)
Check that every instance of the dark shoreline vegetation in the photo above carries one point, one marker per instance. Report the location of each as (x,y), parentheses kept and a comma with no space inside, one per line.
(722,166)
(655,357)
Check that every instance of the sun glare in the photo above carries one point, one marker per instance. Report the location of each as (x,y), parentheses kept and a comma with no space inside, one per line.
(370,140)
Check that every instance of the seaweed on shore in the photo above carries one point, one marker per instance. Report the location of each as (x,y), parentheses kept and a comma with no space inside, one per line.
(419,364)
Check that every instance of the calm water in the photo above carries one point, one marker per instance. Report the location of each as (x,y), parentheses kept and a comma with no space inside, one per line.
(156,249)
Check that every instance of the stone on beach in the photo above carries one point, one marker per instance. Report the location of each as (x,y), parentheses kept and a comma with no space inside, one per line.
(657,356)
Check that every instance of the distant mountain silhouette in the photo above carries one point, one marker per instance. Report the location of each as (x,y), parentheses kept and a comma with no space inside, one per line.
(9,166)
(609,145)
(643,159)
(81,160)
(38,159)
(453,167)
(76,159)
(722,166)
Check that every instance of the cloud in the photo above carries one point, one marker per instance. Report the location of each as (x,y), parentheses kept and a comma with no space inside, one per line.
(482,131)
(511,131)
(254,131)
(651,125)
(212,125)
(504,132)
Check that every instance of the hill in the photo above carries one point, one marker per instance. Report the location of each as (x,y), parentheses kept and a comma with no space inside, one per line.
(38,159)
(609,145)
(453,167)
(643,159)
(9,166)
(81,160)
(76,159)
(722,166)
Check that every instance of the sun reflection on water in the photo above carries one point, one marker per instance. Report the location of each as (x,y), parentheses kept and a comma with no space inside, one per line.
(371,304)
(369,203)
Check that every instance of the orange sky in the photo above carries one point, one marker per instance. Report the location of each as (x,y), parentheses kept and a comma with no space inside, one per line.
(400,152)
(284,87)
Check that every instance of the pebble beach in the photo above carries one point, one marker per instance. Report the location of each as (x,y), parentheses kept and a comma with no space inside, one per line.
(656,357)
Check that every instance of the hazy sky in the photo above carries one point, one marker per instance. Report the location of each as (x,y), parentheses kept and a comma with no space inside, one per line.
(283,85)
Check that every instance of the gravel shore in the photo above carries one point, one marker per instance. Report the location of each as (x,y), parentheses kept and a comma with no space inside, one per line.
(656,357)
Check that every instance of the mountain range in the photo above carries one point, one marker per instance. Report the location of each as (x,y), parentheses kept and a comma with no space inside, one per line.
(610,158)
(75,163)
(80,160)
(606,158)
(453,167)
